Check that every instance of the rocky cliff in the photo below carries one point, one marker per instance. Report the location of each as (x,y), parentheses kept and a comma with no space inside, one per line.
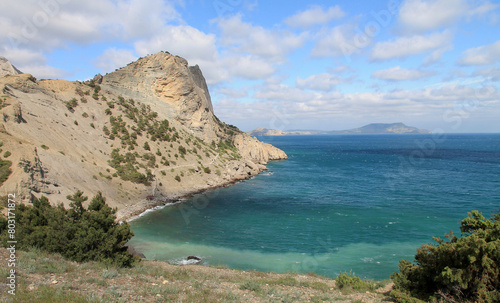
(143,135)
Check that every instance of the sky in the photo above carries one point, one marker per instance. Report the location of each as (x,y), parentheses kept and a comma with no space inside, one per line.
(325,65)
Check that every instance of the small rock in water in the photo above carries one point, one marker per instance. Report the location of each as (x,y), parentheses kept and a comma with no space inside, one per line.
(194,258)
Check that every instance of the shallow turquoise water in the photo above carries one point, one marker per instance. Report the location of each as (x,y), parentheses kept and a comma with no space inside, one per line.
(338,203)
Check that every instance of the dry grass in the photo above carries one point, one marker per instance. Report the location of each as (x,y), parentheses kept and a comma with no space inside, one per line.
(49,278)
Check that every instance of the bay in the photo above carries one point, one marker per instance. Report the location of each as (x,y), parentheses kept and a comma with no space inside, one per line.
(339,203)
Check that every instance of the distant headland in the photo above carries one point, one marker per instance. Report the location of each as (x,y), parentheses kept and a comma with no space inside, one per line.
(370,129)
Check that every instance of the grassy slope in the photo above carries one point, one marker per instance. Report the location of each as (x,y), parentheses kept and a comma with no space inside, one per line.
(49,278)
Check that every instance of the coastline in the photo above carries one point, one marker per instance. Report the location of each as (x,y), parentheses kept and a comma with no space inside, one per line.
(134,211)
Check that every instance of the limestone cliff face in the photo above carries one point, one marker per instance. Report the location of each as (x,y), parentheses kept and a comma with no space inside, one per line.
(169,84)
(257,151)
(146,130)
(164,79)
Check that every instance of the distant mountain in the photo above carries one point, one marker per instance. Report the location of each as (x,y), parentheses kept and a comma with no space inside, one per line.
(385,128)
(370,129)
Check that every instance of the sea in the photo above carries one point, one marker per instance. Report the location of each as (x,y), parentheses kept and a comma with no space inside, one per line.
(340,203)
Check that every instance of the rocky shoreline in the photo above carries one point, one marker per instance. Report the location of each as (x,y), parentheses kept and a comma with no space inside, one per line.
(134,211)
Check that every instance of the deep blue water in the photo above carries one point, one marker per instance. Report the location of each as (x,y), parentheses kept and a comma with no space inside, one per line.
(338,203)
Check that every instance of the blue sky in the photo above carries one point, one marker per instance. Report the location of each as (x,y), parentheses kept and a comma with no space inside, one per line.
(326,65)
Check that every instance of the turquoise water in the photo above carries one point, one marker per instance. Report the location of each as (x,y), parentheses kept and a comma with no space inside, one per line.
(338,203)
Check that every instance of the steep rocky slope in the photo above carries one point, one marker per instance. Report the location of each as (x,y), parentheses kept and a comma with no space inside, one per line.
(142,135)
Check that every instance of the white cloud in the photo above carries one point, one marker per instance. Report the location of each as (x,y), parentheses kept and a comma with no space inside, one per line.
(232,93)
(400,74)
(113,58)
(490,73)
(314,16)
(282,92)
(408,46)
(32,62)
(249,67)
(419,16)
(246,38)
(49,24)
(482,55)
(183,40)
(321,82)
(338,41)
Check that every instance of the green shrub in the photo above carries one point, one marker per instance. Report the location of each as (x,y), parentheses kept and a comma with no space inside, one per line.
(351,281)
(125,169)
(182,150)
(177,178)
(458,270)
(78,233)
(207,170)
(146,146)
(71,104)
(5,170)
(7,154)
(44,146)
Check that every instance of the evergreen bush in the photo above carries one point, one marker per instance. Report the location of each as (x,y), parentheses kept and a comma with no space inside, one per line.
(78,233)
(465,269)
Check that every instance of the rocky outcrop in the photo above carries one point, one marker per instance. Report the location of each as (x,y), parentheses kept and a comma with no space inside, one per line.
(169,80)
(257,151)
(6,68)
(172,87)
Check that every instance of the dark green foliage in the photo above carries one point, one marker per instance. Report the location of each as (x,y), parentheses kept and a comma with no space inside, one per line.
(78,234)
(207,170)
(177,178)
(150,158)
(146,146)
(351,281)
(5,170)
(182,150)
(106,130)
(7,154)
(125,167)
(91,83)
(71,104)
(458,270)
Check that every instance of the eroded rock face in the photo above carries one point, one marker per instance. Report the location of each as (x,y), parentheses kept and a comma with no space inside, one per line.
(257,151)
(168,79)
